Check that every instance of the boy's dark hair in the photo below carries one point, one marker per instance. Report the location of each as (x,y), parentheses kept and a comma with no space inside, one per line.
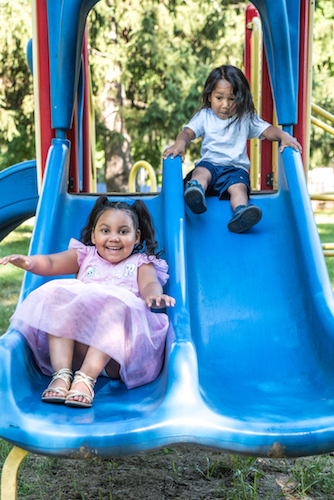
(243,98)
(141,220)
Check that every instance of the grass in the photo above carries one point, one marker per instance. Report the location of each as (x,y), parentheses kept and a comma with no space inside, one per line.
(314,476)
(11,276)
(325,222)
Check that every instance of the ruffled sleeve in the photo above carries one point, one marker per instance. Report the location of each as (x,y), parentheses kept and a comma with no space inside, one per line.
(160,265)
(81,249)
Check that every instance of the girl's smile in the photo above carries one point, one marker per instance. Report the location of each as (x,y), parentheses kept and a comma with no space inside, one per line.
(222,100)
(114,235)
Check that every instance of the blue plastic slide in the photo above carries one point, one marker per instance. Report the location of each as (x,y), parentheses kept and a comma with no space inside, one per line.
(249,364)
(18,195)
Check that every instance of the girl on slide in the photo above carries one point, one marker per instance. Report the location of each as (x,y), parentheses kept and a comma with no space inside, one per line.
(101,322)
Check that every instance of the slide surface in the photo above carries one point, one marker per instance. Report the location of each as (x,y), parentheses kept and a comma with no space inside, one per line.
(249,356)
(18,195)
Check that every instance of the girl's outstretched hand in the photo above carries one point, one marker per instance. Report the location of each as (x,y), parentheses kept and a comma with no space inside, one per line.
(22,261)
(159,301)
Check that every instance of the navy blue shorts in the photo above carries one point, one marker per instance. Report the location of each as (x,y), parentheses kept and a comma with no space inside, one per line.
(222,178)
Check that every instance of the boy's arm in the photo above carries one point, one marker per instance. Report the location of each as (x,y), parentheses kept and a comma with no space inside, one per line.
(46,265)
(276,134)
(182,141)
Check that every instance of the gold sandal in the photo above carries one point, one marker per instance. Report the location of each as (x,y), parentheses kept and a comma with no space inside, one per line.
(64,374)
(89,382)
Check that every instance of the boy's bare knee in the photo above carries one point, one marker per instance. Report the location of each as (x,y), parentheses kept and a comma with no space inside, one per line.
(202,176)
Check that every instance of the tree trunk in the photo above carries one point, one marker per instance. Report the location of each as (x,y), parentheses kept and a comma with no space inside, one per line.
(118,161)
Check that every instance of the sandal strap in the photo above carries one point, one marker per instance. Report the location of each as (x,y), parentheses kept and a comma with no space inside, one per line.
(64,374)
(60,391)
(73,393)
(88,381)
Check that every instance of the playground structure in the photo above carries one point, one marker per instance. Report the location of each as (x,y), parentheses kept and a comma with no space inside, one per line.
(249,355)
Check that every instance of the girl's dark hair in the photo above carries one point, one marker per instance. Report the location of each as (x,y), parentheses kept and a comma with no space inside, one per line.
(243,98)
(141,220)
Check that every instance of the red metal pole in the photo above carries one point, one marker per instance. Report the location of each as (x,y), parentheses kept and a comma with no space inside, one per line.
(267,107)
(86,156)
(46,132)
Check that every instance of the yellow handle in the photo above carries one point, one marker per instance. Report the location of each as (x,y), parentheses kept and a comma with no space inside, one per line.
(9,473)
(133,174)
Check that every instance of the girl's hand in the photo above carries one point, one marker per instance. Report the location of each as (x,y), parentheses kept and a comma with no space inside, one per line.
(21,261)
(159,301)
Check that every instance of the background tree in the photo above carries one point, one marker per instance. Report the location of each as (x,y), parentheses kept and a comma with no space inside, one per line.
(149,60)
(322,143)
(17,133)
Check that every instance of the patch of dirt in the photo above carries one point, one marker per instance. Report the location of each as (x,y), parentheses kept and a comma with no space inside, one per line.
(183,472)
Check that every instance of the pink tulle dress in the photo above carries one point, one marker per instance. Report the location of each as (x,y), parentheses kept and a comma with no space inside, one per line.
(101,308)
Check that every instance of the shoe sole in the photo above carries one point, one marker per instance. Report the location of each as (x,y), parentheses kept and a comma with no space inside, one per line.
(195,200)
(78,404)
(56,401)
(246,220)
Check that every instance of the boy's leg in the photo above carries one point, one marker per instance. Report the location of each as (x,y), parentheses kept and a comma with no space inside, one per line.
(194,193)
(244,217)
(202,175)
(238,195)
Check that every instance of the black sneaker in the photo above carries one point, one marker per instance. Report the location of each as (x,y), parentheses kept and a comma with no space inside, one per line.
(194,197)
(244,218)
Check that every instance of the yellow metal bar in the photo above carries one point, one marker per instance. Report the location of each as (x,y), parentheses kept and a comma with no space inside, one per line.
(93,177)
(322,112)
(329,253)
(306,151)
(328,246)
(255,90)
(322,125)
(133,173)
(322,197)
(9,473)
(274,153)
(37,116)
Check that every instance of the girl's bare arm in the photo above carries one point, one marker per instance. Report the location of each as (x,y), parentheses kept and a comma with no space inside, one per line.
(150,288)
(46,265)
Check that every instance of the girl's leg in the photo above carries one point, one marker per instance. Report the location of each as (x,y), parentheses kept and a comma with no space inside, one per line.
(238,195)
(80,351)
(92,365)
(61,356)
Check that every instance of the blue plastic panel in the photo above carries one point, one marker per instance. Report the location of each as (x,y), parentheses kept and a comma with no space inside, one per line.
(18,195)
(249,356)
(280,24)
(66,23)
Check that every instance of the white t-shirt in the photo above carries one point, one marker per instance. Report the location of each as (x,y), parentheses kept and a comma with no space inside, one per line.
(222,145)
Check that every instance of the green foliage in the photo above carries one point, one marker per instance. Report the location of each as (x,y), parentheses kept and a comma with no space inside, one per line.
(322,143)
(11,276)
(158,54)
(16,94)
(315,476)
(164,51)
